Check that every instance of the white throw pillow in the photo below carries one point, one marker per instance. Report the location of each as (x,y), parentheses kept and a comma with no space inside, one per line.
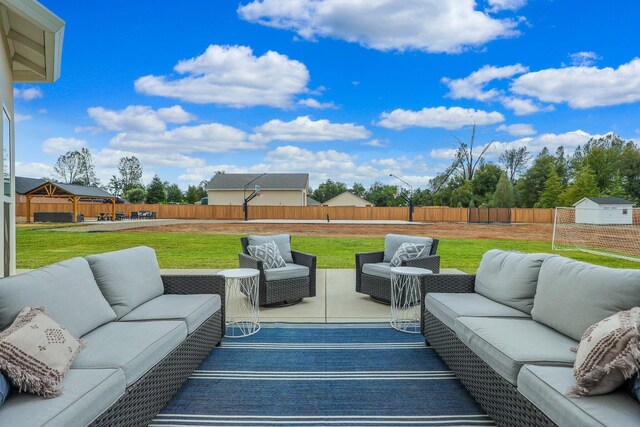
(407,251)
(269,254)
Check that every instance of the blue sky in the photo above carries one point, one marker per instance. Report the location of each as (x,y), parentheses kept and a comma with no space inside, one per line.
(347,90)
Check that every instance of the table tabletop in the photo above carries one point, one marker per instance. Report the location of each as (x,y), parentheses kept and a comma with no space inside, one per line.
(239,273)
(411,271)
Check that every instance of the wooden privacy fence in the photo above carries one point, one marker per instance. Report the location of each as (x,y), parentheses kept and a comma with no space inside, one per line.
(420,214)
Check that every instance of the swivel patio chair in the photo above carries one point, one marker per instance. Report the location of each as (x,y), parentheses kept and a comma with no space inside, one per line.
(373,269)
(285,285)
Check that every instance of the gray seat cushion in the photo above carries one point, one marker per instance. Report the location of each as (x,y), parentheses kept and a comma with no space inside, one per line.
(193,309)
(448,307)
(574,295)
(127,278)
(509,277)
(87,394)
(380,269)
(283,241)
(290,271)
(508,344)
(393,241)
(134,347)
(67,290)
(546,387)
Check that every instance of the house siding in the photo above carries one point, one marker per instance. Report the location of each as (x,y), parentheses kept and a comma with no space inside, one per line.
(269,197)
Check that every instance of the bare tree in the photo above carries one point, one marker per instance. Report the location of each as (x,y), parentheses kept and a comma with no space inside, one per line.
(514,161)
(465,155)
(68,167)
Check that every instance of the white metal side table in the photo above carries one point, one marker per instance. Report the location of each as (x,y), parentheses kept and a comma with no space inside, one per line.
(406,298)
(241,307)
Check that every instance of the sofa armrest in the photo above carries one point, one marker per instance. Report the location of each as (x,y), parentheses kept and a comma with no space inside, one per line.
(445,283)
(196,284)
(365,258)
(430,262)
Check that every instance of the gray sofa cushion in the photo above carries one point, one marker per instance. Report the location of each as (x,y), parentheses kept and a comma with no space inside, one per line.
(509,278)
(448,307)
(194,309)
(393,241)
(134,347)
(127,278)
(283,241)
(380,269)
(87,394)
(546,386)
(290,271)
(574,295)
(67,290)
(508,344)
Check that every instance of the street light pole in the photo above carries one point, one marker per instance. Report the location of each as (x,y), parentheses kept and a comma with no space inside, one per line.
(408,198)
(245,204)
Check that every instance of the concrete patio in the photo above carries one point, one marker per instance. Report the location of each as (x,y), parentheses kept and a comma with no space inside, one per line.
(336,300)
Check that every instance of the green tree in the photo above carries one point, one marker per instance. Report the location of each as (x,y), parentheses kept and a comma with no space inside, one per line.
(531,183)
(384,195)
(514,161)
(485,181)
(328,190)
(585,185)
(630,171)
(195,194)
(358,189)
(503,196)
(462,195)
(76,167)
(156,193)
(174,193)
(552,189)
(422,197)
(130,173)
(136,195)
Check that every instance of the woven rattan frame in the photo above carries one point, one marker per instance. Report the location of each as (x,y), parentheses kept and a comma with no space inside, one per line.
(286,290)
(146,397)
(379,288)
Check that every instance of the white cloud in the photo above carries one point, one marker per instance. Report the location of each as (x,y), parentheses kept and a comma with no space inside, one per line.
(208,138)
(22,117)
(499,5)
(375,143)
(584,59)
(28,94)
(109,157)
(518,129)
(232,76)
(442,117)
(138,118)
(59,145)
(314,103)
(304,129)
(443,153)
(568,140)
(583,87)
(34,170)
(426,25)
(472,86)
(523,106)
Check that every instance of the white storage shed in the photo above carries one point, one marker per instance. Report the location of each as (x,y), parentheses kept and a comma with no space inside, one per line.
(604,210)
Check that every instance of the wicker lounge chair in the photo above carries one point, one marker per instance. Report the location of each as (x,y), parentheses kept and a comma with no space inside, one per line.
(378,284)
(279,286)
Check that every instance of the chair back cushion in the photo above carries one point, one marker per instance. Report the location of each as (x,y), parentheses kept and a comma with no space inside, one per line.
(127,278)
(67,290)
(509,278)
(392,243)
(574,295)
(283,241)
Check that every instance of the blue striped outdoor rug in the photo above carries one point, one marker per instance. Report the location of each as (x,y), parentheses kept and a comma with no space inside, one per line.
(323,374)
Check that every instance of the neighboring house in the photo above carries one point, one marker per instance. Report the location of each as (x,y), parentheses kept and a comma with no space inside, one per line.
(30,52)
(348,199)
(276,189)
(313,202)
(604,210)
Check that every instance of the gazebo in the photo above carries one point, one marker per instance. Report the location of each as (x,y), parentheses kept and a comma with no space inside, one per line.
(72,192)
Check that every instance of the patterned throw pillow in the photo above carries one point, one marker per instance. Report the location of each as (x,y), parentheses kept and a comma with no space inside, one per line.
(407,251)
(269,254)
(608,354)
(634,387)
(36,352)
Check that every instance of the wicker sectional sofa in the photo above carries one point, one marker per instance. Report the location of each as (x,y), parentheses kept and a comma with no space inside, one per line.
(144,334)
(507,333)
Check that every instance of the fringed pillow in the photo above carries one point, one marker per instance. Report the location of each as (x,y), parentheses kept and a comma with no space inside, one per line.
(608,354)
(269,254)
(36,352)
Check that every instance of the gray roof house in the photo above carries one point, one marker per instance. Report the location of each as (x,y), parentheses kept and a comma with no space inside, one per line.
(276,189)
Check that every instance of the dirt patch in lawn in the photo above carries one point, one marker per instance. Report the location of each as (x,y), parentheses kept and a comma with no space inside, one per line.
(533,232)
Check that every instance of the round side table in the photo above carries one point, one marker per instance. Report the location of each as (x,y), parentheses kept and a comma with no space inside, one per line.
(405,296)
(242,313)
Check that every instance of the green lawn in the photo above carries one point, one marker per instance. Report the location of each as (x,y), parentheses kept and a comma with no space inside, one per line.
(40,247)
